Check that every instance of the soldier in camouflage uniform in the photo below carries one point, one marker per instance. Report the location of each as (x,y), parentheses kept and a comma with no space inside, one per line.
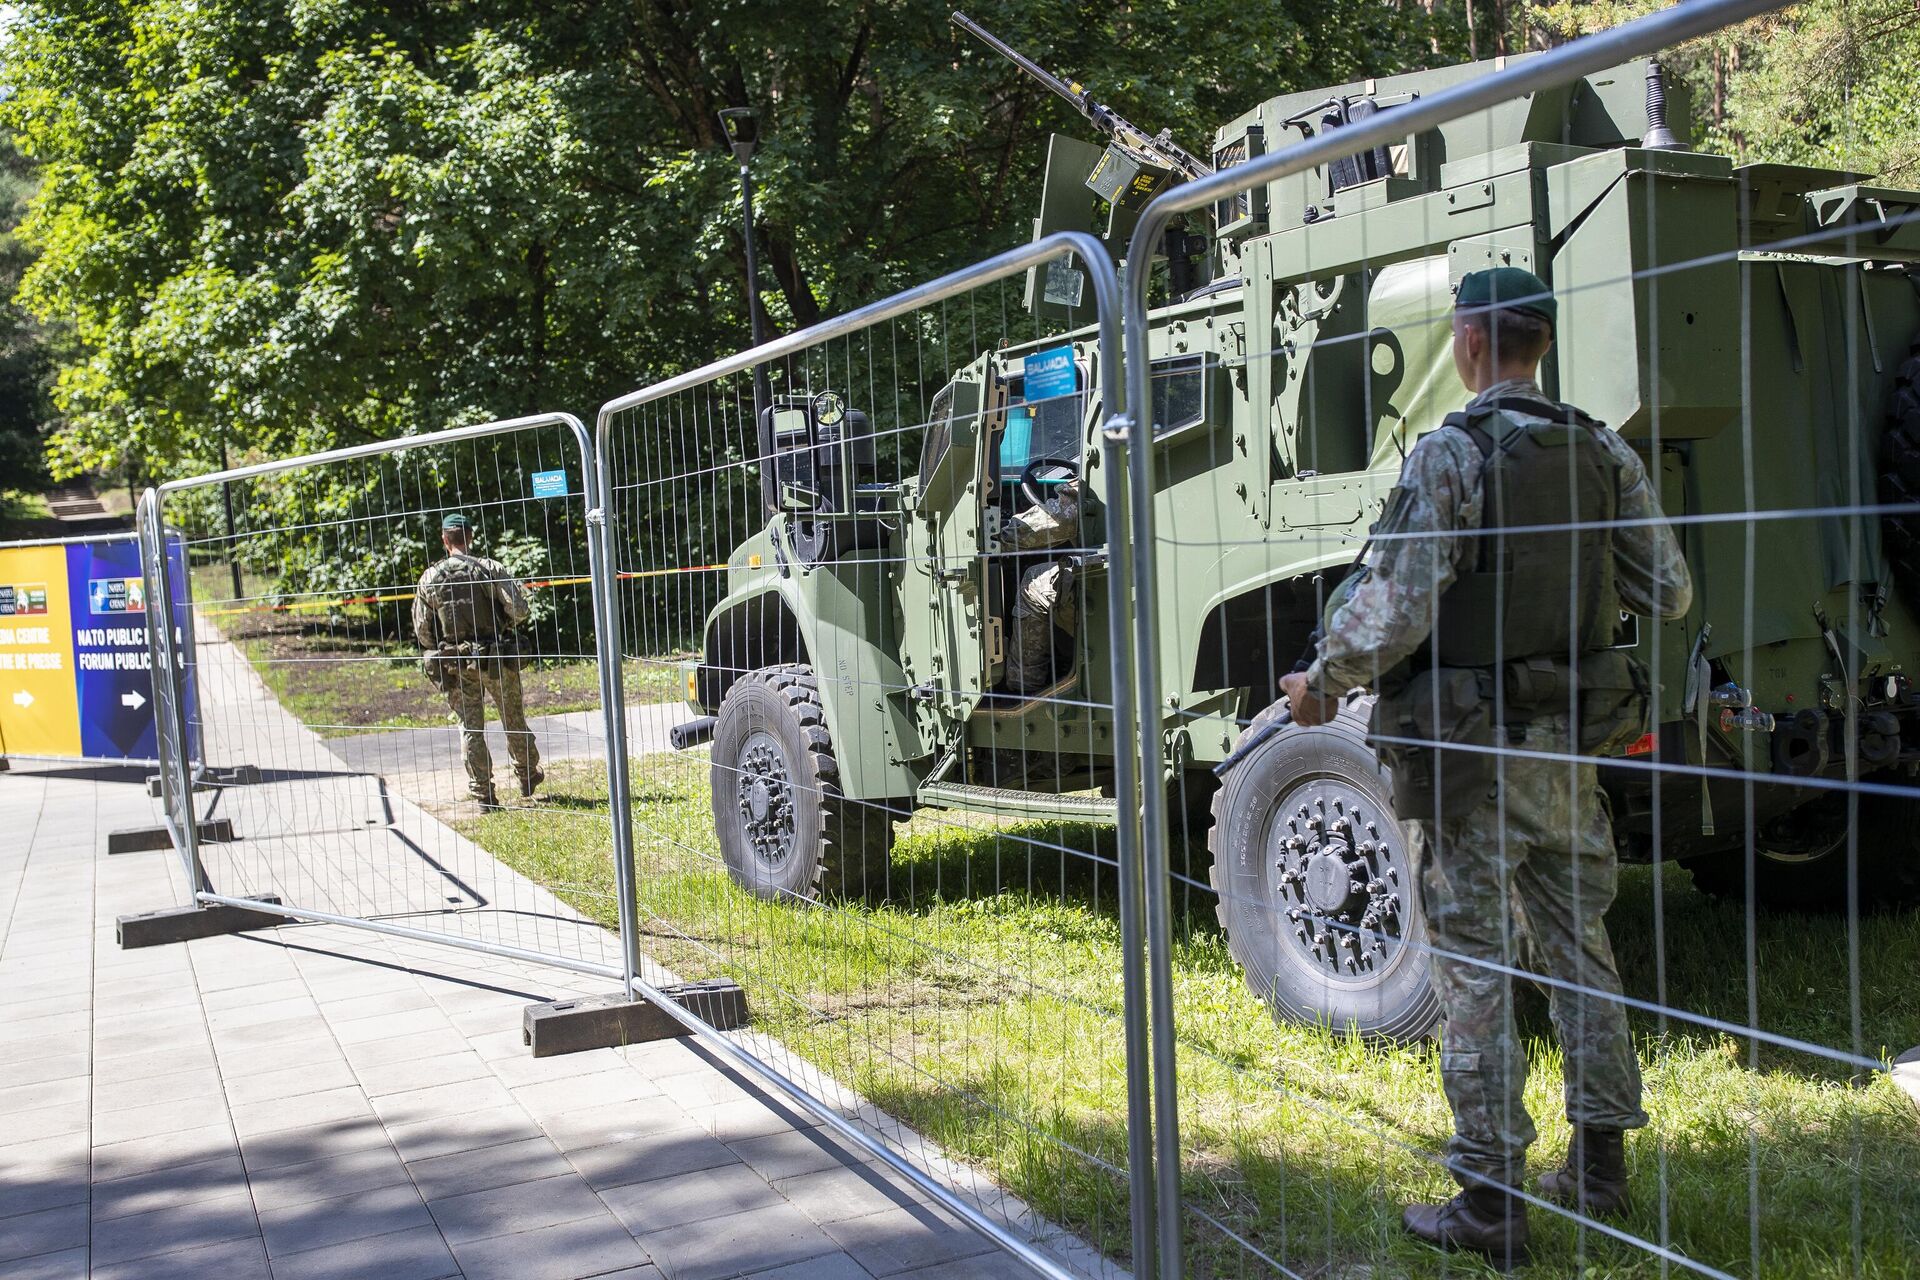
(1045,599)
(464,611)
(1521,874)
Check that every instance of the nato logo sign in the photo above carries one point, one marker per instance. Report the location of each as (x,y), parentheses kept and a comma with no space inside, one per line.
(1048,374)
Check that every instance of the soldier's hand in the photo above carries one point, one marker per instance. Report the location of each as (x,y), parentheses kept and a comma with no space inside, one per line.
(1309,708)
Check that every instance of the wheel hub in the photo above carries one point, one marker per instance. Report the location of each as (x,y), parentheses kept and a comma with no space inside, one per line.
(765,798)
(1342,878)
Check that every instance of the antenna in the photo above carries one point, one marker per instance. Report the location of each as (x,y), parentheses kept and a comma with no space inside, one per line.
(1659,137)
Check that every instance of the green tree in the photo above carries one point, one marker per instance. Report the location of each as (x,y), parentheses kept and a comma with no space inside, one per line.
(26,365)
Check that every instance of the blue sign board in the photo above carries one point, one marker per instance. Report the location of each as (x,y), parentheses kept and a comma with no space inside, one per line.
(1050,373)
(550,484)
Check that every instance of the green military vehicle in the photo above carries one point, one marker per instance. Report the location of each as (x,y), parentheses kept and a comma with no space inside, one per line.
(1748,328)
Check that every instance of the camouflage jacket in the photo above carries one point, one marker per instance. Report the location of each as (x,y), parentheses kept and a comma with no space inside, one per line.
(1051,523)
(1395,605)
(509,598)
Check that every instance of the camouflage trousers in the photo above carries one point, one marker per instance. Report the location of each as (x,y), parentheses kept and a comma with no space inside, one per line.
(468,699)
(1044,601)
(1524,881)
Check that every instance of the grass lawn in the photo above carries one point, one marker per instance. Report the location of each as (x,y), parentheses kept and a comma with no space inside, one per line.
(981,1004)
(345,675)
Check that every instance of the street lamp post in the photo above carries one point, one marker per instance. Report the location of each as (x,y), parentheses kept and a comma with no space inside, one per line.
(743,135)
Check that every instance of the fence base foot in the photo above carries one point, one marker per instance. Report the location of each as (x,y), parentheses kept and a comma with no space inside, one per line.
(184,924)
(602,1022)
(149,839)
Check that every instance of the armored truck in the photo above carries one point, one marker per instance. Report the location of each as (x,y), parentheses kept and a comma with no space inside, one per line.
(1749,328)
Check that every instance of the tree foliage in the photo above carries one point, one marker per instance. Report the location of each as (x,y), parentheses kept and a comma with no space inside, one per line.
(303,223)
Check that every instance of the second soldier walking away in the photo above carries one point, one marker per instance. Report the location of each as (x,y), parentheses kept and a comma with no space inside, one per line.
(1485,615)
(464,613)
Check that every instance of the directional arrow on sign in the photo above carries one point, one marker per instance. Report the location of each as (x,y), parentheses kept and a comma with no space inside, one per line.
(132,698)
(23,699)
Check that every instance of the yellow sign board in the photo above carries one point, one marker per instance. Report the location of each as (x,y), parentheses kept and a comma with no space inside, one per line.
(39,697)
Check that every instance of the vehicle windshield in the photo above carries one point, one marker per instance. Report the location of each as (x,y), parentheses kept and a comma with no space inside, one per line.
(1049,429)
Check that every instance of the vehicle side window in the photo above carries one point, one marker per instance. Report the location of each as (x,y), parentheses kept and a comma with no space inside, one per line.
(1179,393)
(939,434)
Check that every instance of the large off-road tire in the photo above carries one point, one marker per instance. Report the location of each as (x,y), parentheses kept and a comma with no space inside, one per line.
(785,829)
(1900,478)
(1297,825)
(1800,862)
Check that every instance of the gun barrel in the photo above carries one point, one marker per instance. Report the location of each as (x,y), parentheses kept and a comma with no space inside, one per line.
(1071,92)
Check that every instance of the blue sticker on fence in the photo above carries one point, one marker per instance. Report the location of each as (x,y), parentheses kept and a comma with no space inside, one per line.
(549,484)
(1050,373)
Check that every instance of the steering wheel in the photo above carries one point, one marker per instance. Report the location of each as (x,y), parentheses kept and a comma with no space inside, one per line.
(1031,474)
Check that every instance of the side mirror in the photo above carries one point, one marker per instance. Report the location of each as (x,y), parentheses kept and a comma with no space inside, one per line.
(818,448)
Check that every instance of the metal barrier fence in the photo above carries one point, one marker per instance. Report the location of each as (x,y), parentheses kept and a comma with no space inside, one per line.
(879,559)
(377,796)
(870,674)
(1767,326)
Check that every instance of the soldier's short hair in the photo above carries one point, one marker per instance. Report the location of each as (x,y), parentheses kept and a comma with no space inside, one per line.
(1515,335)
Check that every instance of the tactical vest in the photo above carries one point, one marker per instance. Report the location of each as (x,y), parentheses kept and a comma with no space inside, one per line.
(1525,630)
(466,604)
(1547,594)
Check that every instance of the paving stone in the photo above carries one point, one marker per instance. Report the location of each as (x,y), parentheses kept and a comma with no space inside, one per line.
(444,1177)
(67,1264)
(280,1033)
(589,1247)
(652,1206)
(328,1177)
(315,1142)
(418,1044)
(174,1227)
(45,1231)
(834,1266)
(249,1013)
(154,1119)
(233,1260)
(460,1097)
(261,993)
(44,1093)
(42,1187)
(658,1155)
(43,1122)
(595,1128)
(904,1239)
(175,1185)
(148,1063)
(58,1066)
(291,1082)
(984,1266)
(733,1245)
(525,1069)
(833,1195)
(387,1026)
(142,1155)
(179,1088)
(525,1206)
(329,1106)
(237,1061)
(450,1135)
(352,1007)
(609,1089)
(796,1151)
(352,1217)
(422,1073)
(418,1254)
(749,1118)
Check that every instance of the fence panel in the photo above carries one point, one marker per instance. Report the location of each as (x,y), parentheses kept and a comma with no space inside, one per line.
(869,647)
(1748,341)
(397,792)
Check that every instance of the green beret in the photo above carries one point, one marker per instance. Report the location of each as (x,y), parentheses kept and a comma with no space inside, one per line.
(1507,289)
(455,521)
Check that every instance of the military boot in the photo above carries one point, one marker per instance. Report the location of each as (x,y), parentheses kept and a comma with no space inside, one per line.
(488,799)
(1594,1179)
(1486,1220)
(532,780)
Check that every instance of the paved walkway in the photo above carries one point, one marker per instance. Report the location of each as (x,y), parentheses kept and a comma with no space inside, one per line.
(316,1101)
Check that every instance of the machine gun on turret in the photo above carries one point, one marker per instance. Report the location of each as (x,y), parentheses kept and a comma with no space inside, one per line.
(1137,165)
